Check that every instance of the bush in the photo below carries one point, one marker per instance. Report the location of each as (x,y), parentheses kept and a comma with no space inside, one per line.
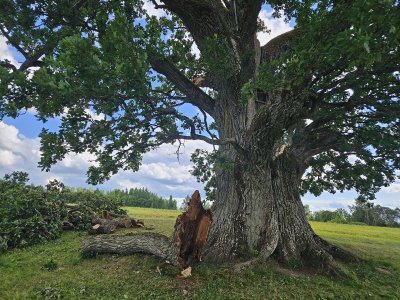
(50,265)
(98,201)
(141,197)
(33,214)
(338,216)
(29,214)
(375,215)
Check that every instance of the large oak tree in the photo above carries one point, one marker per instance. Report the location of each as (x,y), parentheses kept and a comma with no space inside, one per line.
(315,109)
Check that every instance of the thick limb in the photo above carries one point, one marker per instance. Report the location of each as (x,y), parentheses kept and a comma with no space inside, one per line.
(153,244)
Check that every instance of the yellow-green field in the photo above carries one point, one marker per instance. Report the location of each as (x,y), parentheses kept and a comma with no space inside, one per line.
(56,269)
(152,213)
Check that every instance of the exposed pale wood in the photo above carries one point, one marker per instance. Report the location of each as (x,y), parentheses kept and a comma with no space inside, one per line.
(191,230)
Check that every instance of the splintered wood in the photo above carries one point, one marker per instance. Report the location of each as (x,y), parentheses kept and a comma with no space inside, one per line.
(191,230)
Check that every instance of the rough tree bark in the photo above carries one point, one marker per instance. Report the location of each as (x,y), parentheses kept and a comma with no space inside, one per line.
(258,211)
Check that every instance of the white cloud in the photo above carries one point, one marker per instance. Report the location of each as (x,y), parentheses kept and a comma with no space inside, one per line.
(276,25)
(81,161)
(184,188)
(152,11)
(169,151)
(393,188)
(161,172)
(195,50)
(5,51)
(32,110)
(94,116)
(129,184)
(173,171)
(16,145)
(8,158)
(328,201)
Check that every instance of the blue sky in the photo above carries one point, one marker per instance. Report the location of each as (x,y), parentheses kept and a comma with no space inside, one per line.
(161,172)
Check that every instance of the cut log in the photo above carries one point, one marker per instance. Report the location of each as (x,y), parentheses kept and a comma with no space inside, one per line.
(185,247)
(109,222)
(137,222)
(102,226)
(147,243)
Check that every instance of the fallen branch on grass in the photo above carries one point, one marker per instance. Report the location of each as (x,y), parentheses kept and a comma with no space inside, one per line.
(190,234)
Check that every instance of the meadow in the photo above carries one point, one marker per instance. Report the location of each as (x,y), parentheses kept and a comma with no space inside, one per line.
(56,270)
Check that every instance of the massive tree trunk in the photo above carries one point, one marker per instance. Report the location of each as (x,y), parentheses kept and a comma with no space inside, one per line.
(263,215)
(258,211)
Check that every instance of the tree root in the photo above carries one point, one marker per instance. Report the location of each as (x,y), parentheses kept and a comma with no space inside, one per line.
(335,251)
(319,257)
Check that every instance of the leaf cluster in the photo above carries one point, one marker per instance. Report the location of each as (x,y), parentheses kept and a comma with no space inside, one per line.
(344,69)
(29,214)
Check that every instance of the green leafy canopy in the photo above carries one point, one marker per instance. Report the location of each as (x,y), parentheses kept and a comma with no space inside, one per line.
(118,78)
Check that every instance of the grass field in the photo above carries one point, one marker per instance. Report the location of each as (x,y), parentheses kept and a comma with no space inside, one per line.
(56,270)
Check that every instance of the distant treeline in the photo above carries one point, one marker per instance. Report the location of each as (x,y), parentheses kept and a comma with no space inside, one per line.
(138,197)
(142,197)
(360,214)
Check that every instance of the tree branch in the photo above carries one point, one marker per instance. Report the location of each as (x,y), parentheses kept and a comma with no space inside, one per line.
(195,95)
(203,81)
(203,19)
(156,5)
(232,142)
(206,124)
(318,144)
(9,38)
(8,65)
(249,12)
(227,3)
(32,60)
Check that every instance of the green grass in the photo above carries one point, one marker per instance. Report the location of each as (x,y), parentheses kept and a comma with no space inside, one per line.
(152,213)
(380,244)
(56,269)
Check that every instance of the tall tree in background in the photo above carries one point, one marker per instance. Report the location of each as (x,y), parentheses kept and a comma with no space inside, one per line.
(287,116)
